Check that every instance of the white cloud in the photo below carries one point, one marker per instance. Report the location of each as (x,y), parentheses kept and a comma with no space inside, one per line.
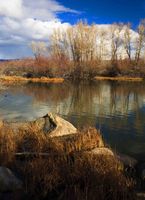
(39,9)
(22,21)
(11,8)
(45,9)
(29,29)
(40,30)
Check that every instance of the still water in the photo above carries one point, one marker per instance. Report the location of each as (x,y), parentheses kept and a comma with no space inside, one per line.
(116,108)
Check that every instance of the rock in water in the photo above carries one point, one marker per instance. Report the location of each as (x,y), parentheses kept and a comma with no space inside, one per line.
(54,125)
(61,126)
(8,181)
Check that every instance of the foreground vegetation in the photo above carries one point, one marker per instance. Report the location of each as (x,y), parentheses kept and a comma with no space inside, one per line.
(63,168)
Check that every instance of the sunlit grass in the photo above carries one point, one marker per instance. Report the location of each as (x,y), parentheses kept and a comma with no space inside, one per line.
(119,78)
(35,80)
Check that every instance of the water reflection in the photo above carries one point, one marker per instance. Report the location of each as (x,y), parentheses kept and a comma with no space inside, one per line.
(118,109)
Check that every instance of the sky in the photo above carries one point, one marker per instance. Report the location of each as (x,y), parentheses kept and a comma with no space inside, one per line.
(23,21)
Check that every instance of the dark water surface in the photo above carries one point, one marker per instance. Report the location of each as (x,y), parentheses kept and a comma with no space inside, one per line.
(116,108)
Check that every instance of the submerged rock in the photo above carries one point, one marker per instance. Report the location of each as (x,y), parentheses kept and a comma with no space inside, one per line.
(8,181)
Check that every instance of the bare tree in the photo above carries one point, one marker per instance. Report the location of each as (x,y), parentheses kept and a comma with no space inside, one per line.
(81,42)
(140,41)
(38,48)
(57,43)
(116,40)
(127,40)
(102,50)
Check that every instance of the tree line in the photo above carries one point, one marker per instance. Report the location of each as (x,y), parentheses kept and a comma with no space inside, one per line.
(84,45)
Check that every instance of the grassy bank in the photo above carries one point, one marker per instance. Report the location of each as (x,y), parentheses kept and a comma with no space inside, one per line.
(66,170)
(16,79)
(123,78)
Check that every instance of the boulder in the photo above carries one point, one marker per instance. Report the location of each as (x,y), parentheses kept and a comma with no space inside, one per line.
(54,126)
(102,151)
(58,126)
(50,124)
(8,181)
(126,160)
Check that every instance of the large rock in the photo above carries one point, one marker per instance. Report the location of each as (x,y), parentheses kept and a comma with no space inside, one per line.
(8,181)
(49,124)
(54,125)
(102,151)
(58,126)
(126,160)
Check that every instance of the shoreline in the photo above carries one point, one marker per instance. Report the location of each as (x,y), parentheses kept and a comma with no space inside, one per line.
(121,78)
(15,79)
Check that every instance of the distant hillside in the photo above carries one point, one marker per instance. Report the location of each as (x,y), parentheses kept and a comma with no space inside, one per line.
(5,60)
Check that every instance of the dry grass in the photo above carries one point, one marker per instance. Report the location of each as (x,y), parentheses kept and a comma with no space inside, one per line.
(34,141)
(138,79)
(66,171)
(15,79)
(35,68)
(7,145)
(75,176)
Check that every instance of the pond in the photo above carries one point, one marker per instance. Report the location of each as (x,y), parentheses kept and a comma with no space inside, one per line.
(116,108)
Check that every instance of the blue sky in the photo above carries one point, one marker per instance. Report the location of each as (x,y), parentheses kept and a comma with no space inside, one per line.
(106,11)
(23,21)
